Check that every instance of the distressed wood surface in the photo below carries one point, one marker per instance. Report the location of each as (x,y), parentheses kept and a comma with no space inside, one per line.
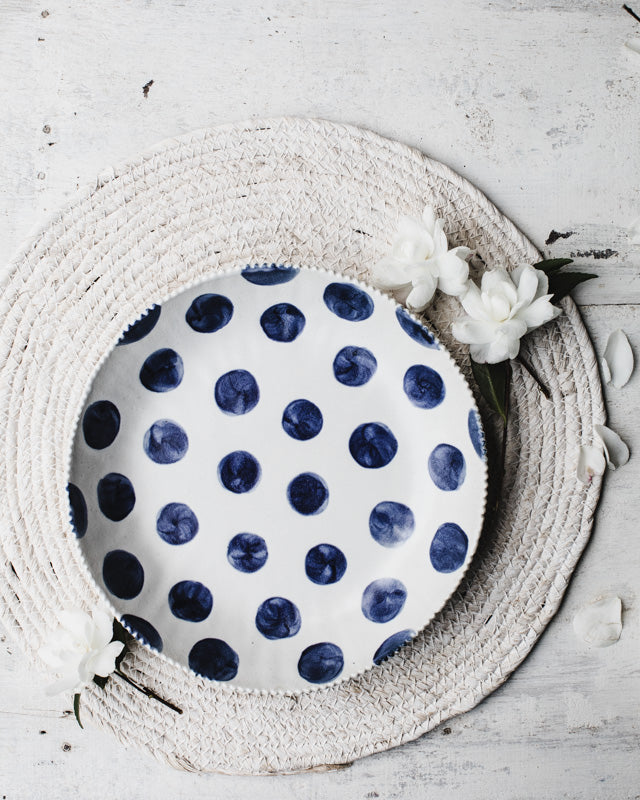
(538,104)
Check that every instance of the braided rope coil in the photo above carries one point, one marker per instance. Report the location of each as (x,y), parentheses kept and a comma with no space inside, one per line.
(323,195)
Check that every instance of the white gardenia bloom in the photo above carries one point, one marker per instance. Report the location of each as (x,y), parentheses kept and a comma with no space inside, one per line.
(80,648)
(499,313)
(421,262)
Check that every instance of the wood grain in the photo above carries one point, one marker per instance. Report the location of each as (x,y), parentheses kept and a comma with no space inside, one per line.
(538,104)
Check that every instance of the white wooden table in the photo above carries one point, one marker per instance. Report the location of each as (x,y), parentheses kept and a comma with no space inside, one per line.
(538,104)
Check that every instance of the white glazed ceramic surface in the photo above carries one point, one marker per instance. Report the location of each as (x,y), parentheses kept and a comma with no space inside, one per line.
(278,478)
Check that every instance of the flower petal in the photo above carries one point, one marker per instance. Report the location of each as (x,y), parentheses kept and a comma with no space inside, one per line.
(497,281)
(390,273)
(615,450)
(68,682)
(103,629)
(103,662)
(413,242)
(599,623)
(472,331)
(429,218)
(453,272)
(472,303)
(422,293)
(539,312)
(591,462)
(619,358)
(77,622)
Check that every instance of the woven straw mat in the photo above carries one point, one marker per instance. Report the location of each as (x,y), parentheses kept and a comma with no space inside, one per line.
(311,193)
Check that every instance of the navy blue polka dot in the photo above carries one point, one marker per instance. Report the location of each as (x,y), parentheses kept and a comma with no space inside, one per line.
(354,366)
(321,663)
(162,371)
(213,659)
(391,523)
(475,433)
(237,392)
(447,467)
(269,274)
(247,552)
(283,322)
(325,564)
(449,548)
(209,313)
(302,420)
(419,333)
(373,445)
(176,523)
(116,497)
(122,574)
(190,600)
(423,386)
(143,630)
(239,472)
(348,302)
(138,330)
(383,599)
(390,645)
(78,508)
(100,424)
(278,618)
(308,494)
(165,442)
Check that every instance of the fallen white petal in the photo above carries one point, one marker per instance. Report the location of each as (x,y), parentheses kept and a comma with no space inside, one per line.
(634,231)
(600,622)
(615,450)
(591,462)
(606,372)
(619,358)
(633,45)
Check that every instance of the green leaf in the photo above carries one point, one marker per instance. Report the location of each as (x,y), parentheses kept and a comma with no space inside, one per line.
(76,709)
(100,681)
(551,265)
(563,283)
(493,381)
(120,634)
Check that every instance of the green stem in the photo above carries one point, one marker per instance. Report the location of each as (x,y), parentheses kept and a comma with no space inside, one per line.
(148,692)
(528,368)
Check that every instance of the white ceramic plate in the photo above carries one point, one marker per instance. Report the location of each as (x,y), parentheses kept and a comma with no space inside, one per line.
(278,478)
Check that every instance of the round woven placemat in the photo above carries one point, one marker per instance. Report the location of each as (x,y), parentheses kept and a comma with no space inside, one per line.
(303,192)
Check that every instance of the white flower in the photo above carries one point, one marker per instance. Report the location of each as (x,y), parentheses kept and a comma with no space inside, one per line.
(421,262)
(591,463)
(80,648)
(500,312)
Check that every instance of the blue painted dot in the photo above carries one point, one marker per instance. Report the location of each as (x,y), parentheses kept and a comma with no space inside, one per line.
(247,552)
(302,420)
(476,434)
(354,366)
(447,467)
(308,494)
(383,599)
(449,548)
(213,659)
(176,523)
(278,618)
(209,313)
(282,322)
(100,424)
(269,274)
(321,663)
(122,574)
(239,472)
(423,386)
(391,523)
(348,302)
(78,510)
(237,392)
(138,330)
(190,600)
(165,442)
(162,371)
(419,333)
(143,630)
(116,497)
(390,645)
(373,445)
(325,564)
